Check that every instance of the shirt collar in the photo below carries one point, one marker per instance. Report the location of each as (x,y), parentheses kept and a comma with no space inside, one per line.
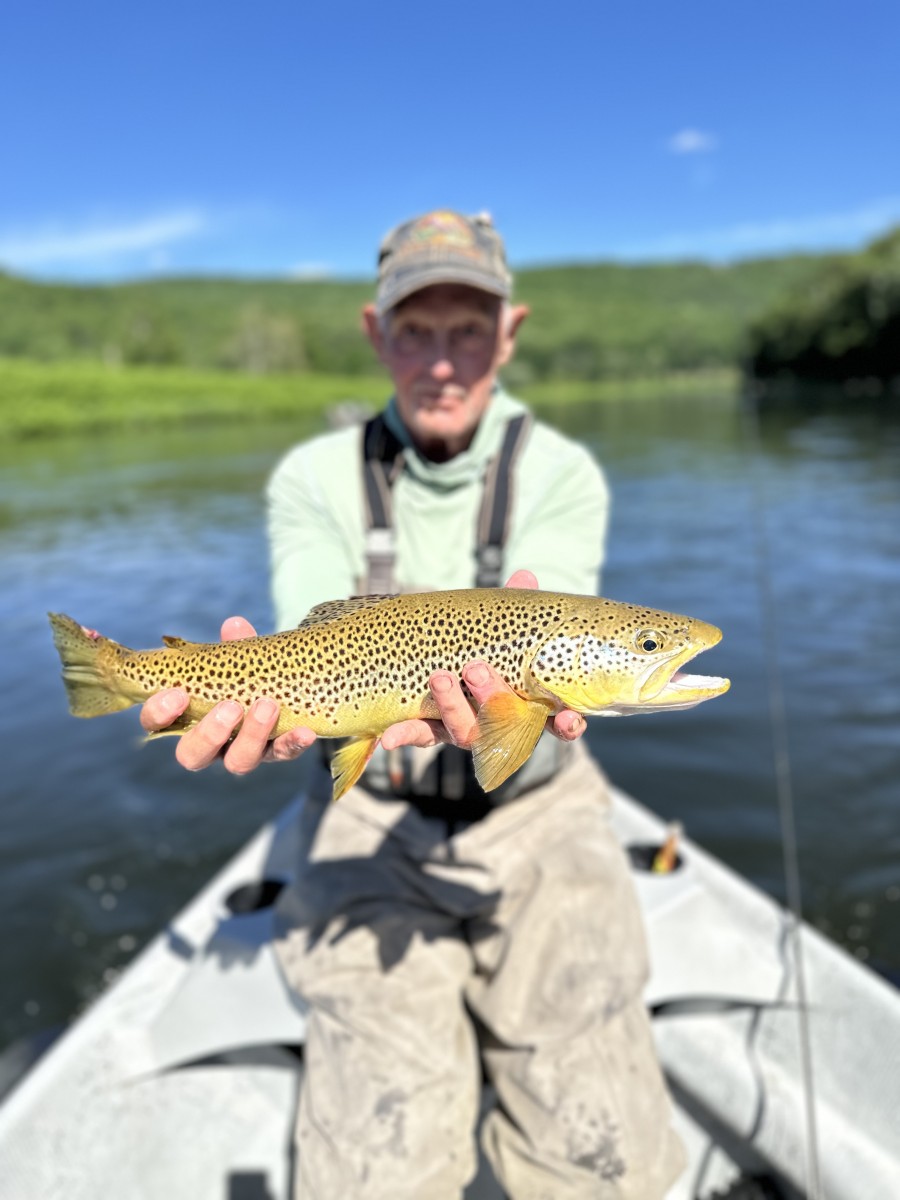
(470,464)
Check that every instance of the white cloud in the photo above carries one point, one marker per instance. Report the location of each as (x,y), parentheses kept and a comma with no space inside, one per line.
(56,243)
(692,141)
(775,235)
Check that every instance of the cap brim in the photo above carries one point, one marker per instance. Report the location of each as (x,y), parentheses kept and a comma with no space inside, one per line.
(405,283)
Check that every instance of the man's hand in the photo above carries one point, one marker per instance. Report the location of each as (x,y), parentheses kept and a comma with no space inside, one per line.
(204,743)
(458,721)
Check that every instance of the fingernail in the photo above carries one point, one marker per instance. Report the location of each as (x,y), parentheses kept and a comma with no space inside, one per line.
(175,701)
(227,712)
(441,683)
(576,725)
(265,709)
(477,673)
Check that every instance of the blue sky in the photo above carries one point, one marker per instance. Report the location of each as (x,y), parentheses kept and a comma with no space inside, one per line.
(279,139)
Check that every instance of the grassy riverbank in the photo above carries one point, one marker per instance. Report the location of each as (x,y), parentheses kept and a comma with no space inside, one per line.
(38,399)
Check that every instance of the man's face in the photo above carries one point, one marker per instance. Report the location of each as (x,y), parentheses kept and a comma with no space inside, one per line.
(443,347)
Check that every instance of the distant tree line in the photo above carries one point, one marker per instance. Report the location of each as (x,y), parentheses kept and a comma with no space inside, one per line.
(590,322)
(826,318)
(839,325)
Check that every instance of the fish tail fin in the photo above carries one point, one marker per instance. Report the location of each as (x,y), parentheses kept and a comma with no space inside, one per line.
(91,691)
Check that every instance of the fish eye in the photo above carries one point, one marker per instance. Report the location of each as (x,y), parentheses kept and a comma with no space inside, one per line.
(649,640)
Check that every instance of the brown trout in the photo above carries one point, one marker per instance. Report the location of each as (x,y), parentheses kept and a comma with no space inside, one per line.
(354,667)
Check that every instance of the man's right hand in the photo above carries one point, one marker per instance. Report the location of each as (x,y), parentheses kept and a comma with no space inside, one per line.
(209,739)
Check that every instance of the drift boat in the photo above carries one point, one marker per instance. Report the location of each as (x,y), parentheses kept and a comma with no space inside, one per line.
(181,1081)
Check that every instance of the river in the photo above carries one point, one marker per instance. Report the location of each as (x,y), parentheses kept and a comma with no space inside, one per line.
(102,840)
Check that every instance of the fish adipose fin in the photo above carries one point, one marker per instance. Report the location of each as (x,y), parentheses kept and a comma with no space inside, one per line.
(89,692)
(175,643)
(333,610)
(508,731)
(350,762)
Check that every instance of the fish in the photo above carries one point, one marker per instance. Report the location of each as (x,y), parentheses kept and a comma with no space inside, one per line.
(353,667)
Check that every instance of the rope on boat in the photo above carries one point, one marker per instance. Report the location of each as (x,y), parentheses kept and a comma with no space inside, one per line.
(784,789)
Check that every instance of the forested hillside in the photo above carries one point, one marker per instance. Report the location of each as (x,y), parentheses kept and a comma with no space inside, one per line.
(841,323)
(589,321)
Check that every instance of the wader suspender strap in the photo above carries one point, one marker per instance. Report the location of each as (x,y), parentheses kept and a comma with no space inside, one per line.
(382,463)
(493,521)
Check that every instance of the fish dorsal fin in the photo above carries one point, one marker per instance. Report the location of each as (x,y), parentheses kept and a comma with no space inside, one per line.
(333,610)
(175,643)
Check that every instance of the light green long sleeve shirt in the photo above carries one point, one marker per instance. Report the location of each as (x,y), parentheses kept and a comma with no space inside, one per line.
(557,527)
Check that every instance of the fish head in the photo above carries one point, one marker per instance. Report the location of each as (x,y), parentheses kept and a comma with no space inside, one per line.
(613,659)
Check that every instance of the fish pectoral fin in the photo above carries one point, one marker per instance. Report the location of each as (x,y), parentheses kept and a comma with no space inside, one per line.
(508,731)
(349,763)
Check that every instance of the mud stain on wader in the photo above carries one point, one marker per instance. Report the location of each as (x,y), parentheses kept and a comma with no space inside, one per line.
(597,1149)
(388,1109)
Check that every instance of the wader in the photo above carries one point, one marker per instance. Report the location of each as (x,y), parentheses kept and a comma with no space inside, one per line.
(440,936)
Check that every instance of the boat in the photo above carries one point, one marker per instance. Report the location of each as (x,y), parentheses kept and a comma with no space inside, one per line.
(181,1081)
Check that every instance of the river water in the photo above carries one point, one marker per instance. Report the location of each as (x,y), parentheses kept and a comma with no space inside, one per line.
(102,840)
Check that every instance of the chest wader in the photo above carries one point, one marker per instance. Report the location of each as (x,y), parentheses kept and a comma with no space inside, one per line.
(458,795)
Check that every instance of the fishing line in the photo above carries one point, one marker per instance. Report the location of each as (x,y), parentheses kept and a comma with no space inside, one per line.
(784,790)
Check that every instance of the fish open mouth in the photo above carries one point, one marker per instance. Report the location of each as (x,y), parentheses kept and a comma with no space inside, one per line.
(684,690)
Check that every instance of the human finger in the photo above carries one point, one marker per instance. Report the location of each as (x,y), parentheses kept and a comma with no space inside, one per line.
(414,732)
(522,579)
(456,722)
(235,628)
(483,681)
(457,715)
(201,745)
(163,708)
(290,745)
(251,741)
(568,726)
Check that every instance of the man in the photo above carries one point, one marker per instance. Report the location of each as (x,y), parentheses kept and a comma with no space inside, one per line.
(435,932)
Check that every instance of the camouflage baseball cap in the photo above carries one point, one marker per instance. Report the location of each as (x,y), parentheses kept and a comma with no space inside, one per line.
(441,247)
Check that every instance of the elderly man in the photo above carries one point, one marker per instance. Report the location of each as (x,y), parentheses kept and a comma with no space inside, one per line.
(438,934)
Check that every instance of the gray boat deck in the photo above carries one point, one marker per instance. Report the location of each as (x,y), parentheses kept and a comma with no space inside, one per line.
(176,1084)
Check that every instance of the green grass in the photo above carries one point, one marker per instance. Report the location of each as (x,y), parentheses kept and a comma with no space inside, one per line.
(38,399)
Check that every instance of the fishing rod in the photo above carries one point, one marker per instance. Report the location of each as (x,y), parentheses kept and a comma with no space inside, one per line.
(783,777)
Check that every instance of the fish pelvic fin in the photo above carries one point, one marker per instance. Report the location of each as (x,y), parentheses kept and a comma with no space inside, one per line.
(192,716)
(508,729)
(349,763)
(90,690)
(179,726)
